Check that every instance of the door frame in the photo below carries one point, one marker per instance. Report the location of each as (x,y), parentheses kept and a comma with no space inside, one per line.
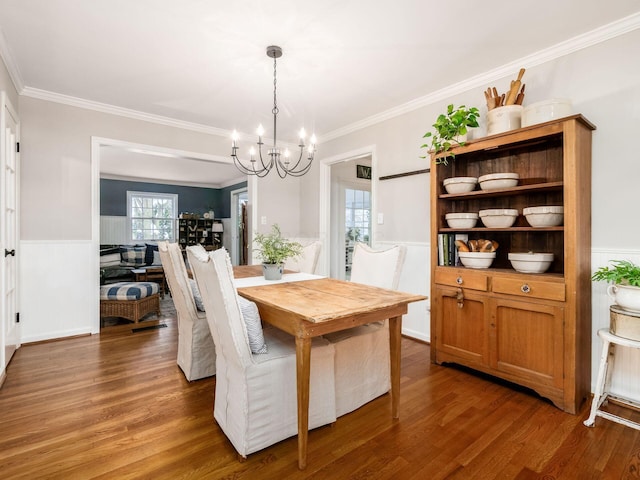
(6,352)
(324,263)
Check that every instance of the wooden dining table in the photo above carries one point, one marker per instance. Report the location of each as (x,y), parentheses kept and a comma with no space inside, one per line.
(315,307)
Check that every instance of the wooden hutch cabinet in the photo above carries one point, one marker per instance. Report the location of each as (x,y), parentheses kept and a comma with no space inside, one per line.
(530,329)
(204,231)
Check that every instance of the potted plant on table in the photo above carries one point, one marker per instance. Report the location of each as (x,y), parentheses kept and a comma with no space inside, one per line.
(624,277)
(273,249)
(450,129)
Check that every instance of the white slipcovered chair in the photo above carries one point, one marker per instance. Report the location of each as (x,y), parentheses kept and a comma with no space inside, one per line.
(255,400)
(307,261)
(196,352)
(363,370)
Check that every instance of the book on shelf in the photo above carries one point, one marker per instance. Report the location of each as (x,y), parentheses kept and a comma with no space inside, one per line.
(447,250)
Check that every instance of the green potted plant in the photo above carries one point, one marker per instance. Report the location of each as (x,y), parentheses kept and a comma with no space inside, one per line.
(624,277)
(450,129)
(273,249)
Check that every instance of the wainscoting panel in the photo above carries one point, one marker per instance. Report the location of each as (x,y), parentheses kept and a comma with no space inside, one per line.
(113,230)
(415,278)
(59,295)
(626,377)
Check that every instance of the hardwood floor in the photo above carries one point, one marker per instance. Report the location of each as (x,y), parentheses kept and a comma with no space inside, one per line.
(116,406)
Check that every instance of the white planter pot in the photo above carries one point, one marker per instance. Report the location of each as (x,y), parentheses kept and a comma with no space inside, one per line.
(626,297)
(272,271)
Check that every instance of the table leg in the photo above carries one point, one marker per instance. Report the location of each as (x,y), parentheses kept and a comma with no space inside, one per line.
(395,337)
(303,369)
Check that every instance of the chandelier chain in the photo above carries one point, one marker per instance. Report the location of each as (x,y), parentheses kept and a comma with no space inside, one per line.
(275,110)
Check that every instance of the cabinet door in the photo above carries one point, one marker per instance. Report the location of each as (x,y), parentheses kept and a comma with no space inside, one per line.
(527,341)
(461,326)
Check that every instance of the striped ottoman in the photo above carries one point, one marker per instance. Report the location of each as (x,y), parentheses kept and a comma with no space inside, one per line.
(130,300)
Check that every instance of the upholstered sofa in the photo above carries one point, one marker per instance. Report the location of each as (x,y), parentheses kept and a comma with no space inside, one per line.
(118,261)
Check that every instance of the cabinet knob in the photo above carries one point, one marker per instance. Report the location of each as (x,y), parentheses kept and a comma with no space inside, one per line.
(525,288)
(459,280)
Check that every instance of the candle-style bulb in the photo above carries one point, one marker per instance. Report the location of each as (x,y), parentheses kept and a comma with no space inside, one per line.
(303,134)
(260,130)
(313,139)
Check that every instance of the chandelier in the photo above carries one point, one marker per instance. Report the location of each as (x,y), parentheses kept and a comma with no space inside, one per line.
(282,160)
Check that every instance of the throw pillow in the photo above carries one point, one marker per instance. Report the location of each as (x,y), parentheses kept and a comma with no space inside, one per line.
(132,256)
(148,254)
(157,261)
(110,260)
(196,295)
(251,316)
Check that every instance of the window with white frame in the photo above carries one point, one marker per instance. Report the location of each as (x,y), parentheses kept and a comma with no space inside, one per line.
(357,215)
(152,216)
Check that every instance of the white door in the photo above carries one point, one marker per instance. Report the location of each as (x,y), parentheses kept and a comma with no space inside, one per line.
(9,136)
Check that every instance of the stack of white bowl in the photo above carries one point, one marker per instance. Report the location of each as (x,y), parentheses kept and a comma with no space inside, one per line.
(545,111)
(460,184)
(496,181)
(461,220)
(546,216)
(498,217)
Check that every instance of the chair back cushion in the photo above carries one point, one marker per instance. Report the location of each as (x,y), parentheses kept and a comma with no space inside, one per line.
(177,277)
(307,261)
(378,268)
(214,275)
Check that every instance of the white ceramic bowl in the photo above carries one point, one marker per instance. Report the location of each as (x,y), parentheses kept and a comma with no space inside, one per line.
(460,184)
(477,259)
(626,297)
(495,181)
(503,119)
(549,216)
(498,217)
(530,262)
(545,111)
(461,220)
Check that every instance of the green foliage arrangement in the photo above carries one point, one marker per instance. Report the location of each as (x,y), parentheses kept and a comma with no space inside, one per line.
(274,248)
(623,272)
(448,127)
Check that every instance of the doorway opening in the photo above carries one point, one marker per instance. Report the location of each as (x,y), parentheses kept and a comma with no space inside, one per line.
(99,147)
(351,203)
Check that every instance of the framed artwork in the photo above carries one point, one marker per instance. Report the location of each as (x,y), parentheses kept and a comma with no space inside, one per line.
(363,171)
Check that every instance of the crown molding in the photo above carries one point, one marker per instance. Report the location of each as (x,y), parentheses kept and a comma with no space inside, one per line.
(12,68)
(136,114)
(123,112)
(593,37)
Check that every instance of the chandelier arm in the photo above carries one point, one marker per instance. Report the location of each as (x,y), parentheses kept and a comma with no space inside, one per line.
(246,170)
(270,164)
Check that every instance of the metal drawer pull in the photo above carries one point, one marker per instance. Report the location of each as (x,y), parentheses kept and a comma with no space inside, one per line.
(525,288)
(459,280)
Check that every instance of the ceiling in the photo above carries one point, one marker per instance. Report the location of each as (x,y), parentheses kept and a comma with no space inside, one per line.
(203,62)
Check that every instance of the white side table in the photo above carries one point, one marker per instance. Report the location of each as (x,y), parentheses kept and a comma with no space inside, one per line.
(604,381)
